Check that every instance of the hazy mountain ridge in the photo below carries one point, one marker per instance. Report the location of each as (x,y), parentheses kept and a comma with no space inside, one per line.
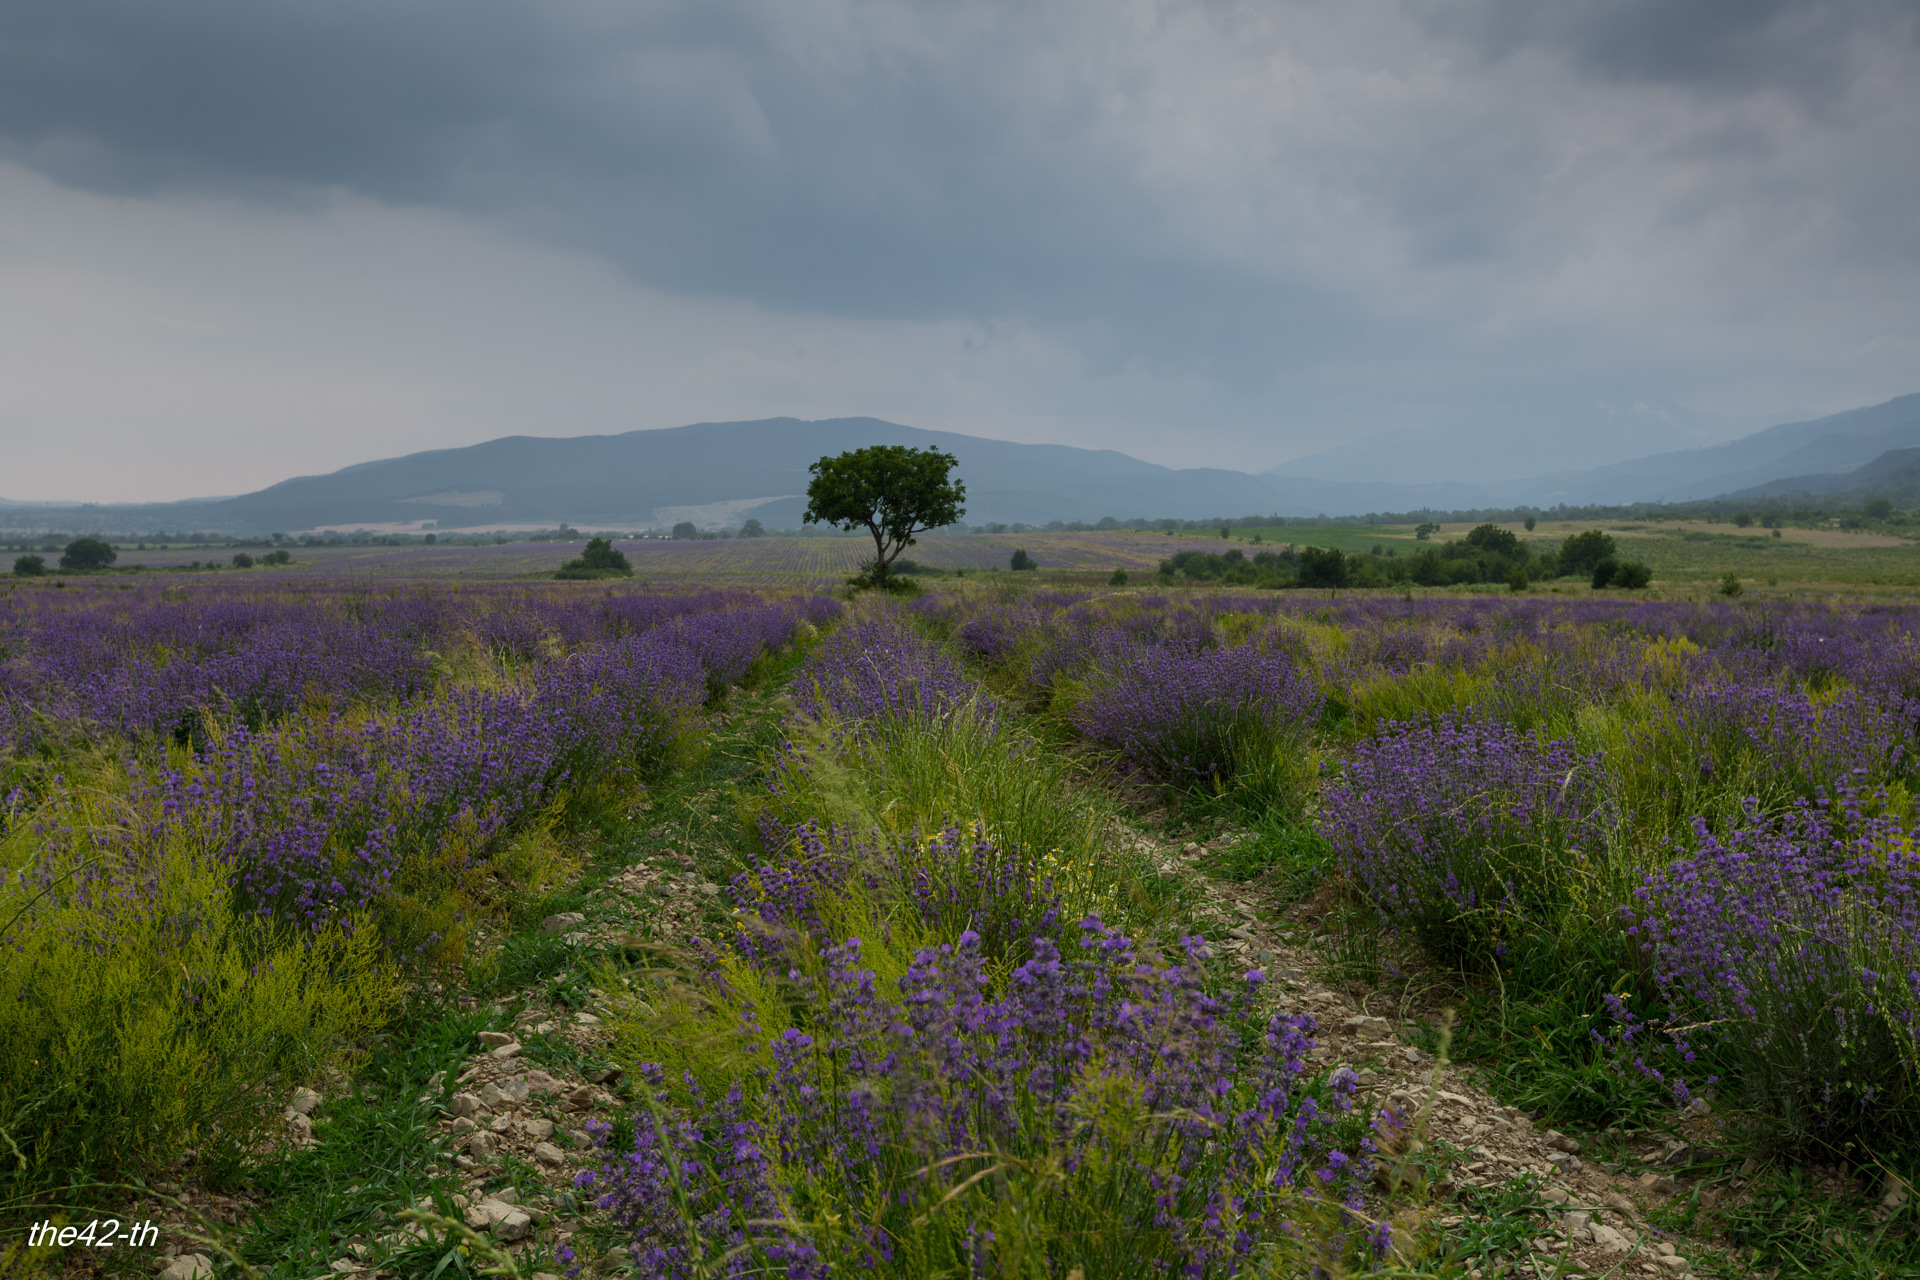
(642,479)
(620,481)
(1894,475)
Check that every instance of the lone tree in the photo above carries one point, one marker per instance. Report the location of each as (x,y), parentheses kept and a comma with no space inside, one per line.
(87,553)
(891,491)
(600,559)
(1583,552)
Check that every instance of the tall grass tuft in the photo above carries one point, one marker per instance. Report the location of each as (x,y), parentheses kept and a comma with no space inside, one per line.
(148,1014)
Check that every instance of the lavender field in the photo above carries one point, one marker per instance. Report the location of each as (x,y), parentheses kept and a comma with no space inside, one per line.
(810,561)
(996,930)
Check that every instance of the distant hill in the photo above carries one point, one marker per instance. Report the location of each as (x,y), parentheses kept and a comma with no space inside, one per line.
(714,473)
(1790,454)
(721,473)
(1894,475)
(1840,442)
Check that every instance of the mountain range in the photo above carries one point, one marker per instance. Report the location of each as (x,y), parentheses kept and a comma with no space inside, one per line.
(722,473)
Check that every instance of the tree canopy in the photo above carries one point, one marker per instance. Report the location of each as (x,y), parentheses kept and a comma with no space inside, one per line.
(87,553)
(891,491)
(598,559)
(1581,552)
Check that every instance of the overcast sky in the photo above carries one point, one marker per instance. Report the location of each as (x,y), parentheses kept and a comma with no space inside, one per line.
(241,241)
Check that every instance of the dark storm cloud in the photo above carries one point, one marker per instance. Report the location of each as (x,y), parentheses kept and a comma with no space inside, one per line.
(1802,47)
(1457,201)
(704,145)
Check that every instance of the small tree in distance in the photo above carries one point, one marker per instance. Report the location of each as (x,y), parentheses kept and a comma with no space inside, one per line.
(1021,560)
(87,553)
(752,529)
(29,566)
(891,491)
(599,559)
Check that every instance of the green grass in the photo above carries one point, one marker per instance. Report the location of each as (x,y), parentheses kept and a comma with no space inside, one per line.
(1285,856)
(377,1151)
(1793,1227)
(1343,537)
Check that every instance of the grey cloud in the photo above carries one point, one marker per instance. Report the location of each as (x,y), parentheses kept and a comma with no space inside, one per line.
(1803,47)
(1289,195)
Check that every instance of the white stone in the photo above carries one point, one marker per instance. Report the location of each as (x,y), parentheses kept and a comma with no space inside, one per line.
(515,1224)
(1608,1238)
(562,922)
(466,1104)
(304,1101)
(188,1266)
(494,1039)
(1671,1262)
(538,1130)
(547,1153)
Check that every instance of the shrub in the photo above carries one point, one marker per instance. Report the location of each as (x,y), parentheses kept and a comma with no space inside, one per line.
(87,553)
(599,559)
(1796,940)
(1323,567)
(1631,575)
(1211,717)
(1583,552)
(1730,584)
(872,673)
(1118,578)
(282,556)
(1099,1116)
(1603,573)
(1465,832)
(146,1013)
(29,566)
(1021,560)
(1494,540)
(241,560)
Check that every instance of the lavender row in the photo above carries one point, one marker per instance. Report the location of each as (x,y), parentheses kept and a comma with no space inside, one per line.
(881,1105)
(143,663)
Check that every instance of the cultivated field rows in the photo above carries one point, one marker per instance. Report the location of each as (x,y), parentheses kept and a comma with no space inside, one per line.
(716,933)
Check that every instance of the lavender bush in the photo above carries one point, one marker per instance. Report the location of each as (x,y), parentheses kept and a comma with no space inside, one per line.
(1202,716)
(1794,945)
(1098,1113)
(952,881)
(1465,833)
(873,672)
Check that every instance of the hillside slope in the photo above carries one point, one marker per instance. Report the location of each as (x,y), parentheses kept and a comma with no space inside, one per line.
(712,473)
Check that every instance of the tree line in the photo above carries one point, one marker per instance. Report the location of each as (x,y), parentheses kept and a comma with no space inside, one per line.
(1488,554)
